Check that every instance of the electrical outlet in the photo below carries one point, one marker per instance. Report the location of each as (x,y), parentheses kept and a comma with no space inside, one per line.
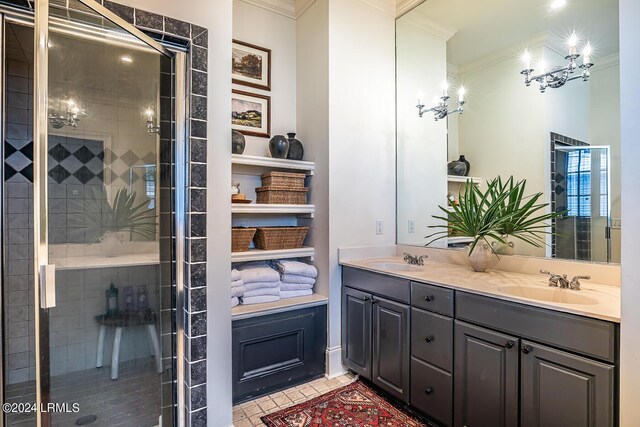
(616,223)
(412,226)
(379,226)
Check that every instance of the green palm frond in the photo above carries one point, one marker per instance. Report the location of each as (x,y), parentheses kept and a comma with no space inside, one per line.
(502,210)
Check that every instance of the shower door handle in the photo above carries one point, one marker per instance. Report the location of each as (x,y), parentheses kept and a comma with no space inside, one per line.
(48,286)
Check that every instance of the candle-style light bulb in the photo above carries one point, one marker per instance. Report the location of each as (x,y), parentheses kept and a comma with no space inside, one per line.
(461,92)
(526,58)
(586,54)
(573,42)
(149,114)
(445,88)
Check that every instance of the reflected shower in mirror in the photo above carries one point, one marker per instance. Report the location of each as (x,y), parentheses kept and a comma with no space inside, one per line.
(541,104)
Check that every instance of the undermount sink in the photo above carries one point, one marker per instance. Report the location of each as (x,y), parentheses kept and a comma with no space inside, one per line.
(394,266)
(563,296)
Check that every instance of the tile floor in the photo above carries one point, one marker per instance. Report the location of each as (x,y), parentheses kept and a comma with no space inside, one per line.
(248,414)
(131,400)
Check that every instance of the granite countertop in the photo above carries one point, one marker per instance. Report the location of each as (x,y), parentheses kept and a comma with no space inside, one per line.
(594,300)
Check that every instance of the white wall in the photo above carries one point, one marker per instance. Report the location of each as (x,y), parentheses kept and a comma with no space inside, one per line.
(273,31)
(217,17)
(422,142)
(630,129)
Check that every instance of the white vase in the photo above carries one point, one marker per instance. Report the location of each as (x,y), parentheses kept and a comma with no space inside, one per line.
(482,256)
(112,241)
(507,248)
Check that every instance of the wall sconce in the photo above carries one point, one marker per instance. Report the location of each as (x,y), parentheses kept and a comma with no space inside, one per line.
(70,117)
(560,76)
(152,127)
(441,109)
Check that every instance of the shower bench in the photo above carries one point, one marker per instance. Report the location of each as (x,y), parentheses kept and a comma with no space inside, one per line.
(126,319)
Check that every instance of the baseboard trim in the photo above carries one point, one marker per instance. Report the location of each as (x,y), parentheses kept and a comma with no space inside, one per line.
(334,362)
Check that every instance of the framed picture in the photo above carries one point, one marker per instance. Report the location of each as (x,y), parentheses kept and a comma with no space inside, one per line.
(251,65)
(251,113)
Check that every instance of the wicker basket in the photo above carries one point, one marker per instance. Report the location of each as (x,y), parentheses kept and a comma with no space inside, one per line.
(271,238)
(283,179)
(241,238)
(281,195)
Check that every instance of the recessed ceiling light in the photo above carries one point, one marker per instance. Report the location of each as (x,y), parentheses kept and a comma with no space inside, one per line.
(558,4)
(126,59)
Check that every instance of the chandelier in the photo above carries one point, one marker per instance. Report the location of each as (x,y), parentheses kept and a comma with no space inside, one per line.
(441,109)
(558,77)
(69,117)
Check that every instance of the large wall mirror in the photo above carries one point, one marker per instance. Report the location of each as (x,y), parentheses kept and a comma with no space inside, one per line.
(560,133)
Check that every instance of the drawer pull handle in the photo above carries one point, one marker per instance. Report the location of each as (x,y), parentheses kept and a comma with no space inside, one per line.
(373,300)
(428,390)
(428,338)
(527,349)
(365,299)
(428,298)
(509,344)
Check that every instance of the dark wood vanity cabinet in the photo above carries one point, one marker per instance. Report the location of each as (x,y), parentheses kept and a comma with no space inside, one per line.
(486,377)
(467,360)
(562,389)
(375,330)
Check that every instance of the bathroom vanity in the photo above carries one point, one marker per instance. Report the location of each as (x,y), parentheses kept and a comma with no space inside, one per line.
(467,356)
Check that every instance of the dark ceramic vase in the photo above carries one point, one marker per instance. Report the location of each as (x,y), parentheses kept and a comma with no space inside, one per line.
(456,168)
(279,147)
(466,162)
(238,142)
(296,149)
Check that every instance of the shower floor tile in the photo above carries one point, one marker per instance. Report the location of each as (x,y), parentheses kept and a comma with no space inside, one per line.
(131,400)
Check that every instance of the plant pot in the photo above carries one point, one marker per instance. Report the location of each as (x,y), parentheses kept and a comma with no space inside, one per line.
(482,257)
(112,241)
(279,147)
(507,248)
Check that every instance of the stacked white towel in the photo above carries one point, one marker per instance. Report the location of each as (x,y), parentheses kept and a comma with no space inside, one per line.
(297,278)
(261,283)
(237,287)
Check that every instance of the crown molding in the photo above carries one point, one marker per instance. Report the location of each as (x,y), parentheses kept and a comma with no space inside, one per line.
(606,62)
(386,6)
(405,6)
(301,6)
(429,26)
(281,7)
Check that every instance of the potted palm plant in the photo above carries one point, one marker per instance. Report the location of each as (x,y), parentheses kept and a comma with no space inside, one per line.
(499,213)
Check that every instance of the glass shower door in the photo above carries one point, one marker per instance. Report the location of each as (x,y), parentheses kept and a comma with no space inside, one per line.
(102,152)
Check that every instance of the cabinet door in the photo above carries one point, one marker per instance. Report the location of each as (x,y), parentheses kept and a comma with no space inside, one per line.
(486,377)
(391,347)
(560,389)
(356,331)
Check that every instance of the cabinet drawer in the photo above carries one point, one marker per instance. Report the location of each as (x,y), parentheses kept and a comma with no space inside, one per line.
(432,338)
(432,298)
(562,330)
(431,391)
(386,286)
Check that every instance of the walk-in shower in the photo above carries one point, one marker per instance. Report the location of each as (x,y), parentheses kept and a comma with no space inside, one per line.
(92,213)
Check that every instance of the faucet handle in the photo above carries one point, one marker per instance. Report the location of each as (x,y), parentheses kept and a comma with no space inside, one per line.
(581,277)
(546,272)
(575,282)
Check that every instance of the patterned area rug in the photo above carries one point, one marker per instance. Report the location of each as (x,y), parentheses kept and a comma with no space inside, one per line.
(354,405)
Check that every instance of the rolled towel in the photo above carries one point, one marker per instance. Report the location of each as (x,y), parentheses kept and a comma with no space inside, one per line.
(237,283)
(294,286)
(258,285)
(259,274)
(297,267)
(234,301)
(235,275)
(296,278)
(259,300)
(262,291)
(237,291)
(298,293)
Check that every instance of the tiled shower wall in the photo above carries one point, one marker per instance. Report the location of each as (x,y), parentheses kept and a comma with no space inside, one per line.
(194,310)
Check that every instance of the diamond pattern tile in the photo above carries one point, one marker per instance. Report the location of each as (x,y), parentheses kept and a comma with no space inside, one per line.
(59,153)
(59,174)
(84,175)
(84,154)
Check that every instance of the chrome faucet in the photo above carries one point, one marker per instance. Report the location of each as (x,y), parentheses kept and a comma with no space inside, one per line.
(575,282)
(557,280)
(415,259)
